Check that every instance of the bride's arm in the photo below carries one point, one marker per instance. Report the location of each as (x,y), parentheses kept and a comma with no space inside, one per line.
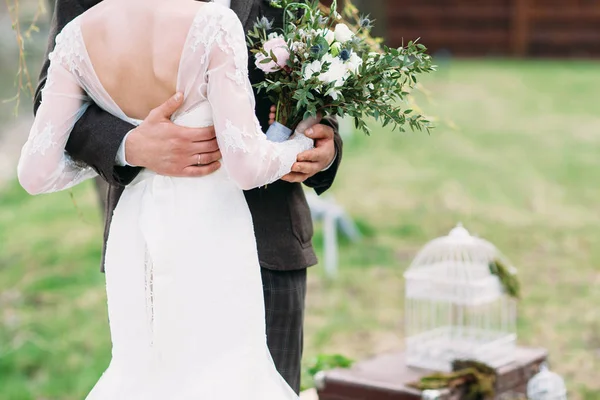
(97,135)
(44,166)
(250,159)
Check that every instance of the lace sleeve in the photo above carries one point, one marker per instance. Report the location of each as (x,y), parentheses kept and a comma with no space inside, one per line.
(44,166)
(250,159)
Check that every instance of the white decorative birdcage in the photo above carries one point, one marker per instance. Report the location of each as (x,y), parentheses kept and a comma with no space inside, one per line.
(456,308)
(546,385)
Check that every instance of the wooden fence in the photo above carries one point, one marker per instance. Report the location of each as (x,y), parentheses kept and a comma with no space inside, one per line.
(539,28)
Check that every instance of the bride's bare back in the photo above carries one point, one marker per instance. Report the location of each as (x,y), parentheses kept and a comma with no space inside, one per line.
(135,47)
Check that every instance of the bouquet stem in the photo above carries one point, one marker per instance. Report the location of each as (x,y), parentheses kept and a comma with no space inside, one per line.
(277,113)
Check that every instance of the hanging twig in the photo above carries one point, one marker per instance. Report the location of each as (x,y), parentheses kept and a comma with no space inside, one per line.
(23,79)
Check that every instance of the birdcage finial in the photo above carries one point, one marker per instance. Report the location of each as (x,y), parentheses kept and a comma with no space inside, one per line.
(459,231)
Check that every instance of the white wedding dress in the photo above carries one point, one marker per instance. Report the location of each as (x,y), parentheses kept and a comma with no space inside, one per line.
(183,279)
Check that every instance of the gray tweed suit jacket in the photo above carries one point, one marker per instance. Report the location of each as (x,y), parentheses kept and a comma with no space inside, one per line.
(282,219)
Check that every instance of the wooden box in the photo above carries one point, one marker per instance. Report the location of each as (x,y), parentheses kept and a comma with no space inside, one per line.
(385,378)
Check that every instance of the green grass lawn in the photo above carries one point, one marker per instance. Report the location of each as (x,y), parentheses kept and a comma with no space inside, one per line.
(518,165)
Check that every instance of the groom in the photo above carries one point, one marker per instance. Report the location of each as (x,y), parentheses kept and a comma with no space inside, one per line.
(282,220)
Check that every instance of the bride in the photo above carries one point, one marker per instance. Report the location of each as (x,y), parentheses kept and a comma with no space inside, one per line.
(182,273)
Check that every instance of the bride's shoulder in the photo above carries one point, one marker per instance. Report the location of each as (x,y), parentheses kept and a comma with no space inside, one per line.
(218,14)
(214,22)
(68,47)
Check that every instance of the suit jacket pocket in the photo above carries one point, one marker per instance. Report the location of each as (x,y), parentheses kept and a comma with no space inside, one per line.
(300,217)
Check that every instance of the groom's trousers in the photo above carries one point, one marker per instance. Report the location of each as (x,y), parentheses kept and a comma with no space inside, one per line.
(285,293)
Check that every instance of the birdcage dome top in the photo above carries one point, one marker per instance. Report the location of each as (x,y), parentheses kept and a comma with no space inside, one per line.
(458,265)
(459,246)
(546,385)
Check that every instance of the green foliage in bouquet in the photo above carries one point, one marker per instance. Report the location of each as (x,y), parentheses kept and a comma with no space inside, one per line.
(318,65)
(478,380)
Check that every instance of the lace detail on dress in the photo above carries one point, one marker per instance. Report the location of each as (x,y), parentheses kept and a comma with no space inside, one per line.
(68,51)
(233,138)
(240,58)
(208,31)
(41,141)
(205,31)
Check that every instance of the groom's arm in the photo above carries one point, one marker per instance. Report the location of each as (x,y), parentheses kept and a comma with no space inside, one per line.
(97,135)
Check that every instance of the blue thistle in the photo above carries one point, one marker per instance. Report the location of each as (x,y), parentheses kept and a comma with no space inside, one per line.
(345,54)
(365,22)
(264,23)
(316,49)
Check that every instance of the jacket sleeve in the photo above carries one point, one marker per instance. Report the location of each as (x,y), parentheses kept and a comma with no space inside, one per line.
(97,134)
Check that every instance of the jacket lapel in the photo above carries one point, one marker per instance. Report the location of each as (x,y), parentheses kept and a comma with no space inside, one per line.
(242,9)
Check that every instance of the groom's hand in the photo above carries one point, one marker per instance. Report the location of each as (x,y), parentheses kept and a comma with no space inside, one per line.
(171,150)
(313,161)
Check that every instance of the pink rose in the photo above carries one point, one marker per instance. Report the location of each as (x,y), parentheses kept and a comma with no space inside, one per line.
(279,48)
(272,44)
(271,66)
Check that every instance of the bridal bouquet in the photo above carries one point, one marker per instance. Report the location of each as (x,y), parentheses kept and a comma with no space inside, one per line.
(318,64)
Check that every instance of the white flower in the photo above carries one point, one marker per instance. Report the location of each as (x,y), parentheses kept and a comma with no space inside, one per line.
(311,69)
(343,33)
(354,63)
(372,57)
(328,58)
(298,47)
(337,72)
(274,35)
(334,93)
(329,36)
